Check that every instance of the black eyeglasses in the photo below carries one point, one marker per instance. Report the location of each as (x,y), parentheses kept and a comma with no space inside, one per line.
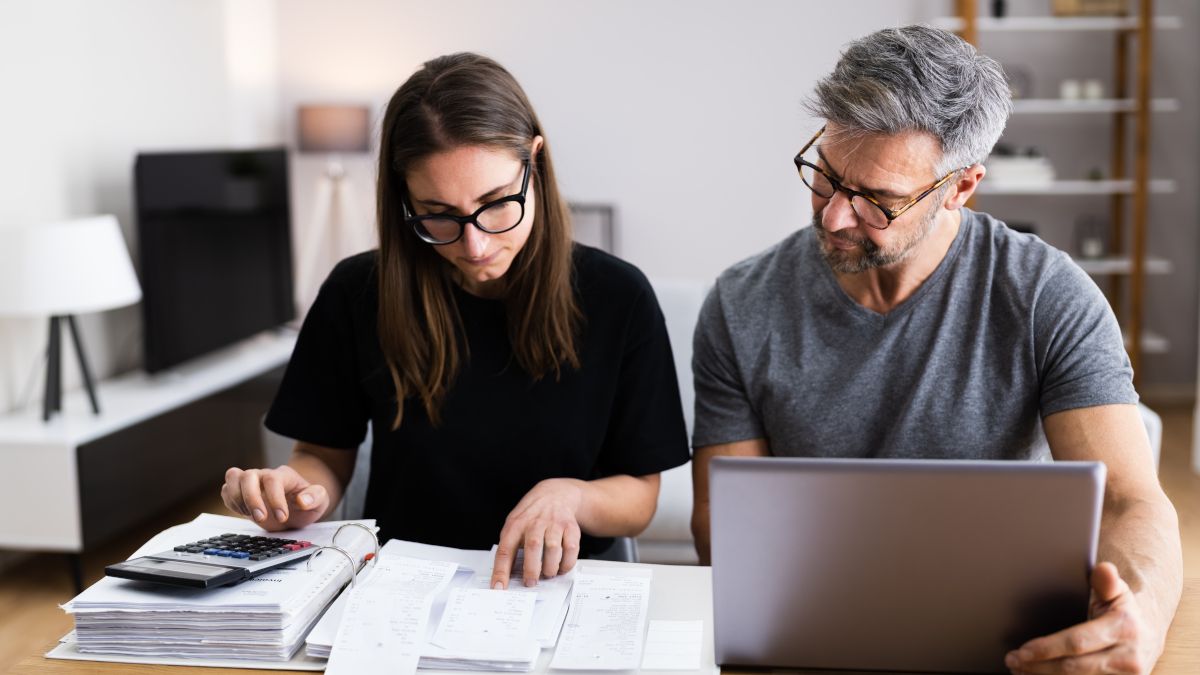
(876,215)
(494,217)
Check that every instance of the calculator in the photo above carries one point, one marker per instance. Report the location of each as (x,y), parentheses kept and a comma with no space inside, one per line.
(216,561)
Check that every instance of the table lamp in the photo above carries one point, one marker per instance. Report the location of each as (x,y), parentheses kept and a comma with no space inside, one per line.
(331,130)
(60,270)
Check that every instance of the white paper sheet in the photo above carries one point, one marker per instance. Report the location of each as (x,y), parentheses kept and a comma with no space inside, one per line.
(384,624)
(673,645)
(605,626)
(486,624)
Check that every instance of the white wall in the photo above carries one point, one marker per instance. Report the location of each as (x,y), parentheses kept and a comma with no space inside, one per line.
(684,115)
(88,84)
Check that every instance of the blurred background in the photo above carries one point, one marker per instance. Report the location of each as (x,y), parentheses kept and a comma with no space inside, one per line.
(673,125)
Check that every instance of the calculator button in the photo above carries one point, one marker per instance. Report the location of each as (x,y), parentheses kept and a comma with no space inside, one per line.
(211,551)
(240,554)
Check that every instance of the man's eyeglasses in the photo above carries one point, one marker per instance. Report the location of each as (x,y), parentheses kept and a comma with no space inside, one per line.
(494,217)
(867,208)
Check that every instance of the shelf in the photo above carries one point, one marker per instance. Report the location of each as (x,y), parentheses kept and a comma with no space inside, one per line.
(1055,23)
(1152,343)
(1073,187)
(132,398)
(1054,106)
(1103,266)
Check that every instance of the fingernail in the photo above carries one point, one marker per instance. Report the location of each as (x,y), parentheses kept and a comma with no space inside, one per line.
(1011,660)
(497,586)
(280,515)
(306,499)
(258,514)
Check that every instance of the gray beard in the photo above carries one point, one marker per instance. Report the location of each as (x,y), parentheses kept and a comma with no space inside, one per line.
(869,255)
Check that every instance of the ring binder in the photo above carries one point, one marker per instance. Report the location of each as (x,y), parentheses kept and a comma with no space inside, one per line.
(339,549)
(366,529)
(333,545)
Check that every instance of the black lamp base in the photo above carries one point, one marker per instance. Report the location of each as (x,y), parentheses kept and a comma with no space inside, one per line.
(52,402)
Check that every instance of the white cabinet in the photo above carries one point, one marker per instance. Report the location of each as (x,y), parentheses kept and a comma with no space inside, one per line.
(81,477)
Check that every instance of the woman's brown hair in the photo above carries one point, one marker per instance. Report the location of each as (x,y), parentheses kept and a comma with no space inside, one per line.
(455,101)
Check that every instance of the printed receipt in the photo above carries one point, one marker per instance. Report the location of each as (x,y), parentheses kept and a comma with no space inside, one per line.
(385,621)
(486,623)
(607,620)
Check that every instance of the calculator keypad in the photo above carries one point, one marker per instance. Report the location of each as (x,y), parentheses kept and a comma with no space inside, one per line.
(244,547)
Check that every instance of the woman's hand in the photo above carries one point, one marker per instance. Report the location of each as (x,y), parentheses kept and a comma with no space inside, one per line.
(545,523)
(276,499)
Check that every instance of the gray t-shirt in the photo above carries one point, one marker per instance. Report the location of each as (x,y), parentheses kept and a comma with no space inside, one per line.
(1007,330)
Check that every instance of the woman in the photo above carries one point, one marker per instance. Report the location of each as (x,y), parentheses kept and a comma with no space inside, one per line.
(521,388)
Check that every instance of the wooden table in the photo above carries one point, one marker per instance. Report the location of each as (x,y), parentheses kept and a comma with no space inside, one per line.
(1182,655)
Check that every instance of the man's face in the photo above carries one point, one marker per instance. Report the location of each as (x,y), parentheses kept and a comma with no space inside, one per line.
(893,169)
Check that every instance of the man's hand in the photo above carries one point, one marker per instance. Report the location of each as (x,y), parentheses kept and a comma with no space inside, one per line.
(1117,638)
(545,523)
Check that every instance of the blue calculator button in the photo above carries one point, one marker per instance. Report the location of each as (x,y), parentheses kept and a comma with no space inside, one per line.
(212,551)
(225,554)
(239,554)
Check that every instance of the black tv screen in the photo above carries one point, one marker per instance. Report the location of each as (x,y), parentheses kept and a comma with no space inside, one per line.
(215,249)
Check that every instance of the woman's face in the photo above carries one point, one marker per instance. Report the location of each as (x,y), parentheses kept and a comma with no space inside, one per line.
(459,181)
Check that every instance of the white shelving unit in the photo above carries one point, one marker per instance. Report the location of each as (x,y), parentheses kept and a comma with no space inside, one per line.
(42,496)
(1152,343)
(1102,266)
(1055,23)
(1073,187)
(1057,106)
(1130,107)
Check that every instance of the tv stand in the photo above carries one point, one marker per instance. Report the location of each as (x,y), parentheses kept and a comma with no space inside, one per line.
(81,478)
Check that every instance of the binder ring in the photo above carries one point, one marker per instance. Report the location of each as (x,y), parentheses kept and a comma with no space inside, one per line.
(366,529)
(339,549)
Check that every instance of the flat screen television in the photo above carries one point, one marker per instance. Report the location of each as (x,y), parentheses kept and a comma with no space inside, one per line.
(214,239)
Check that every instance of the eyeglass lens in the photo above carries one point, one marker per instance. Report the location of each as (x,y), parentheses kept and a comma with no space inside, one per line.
(497,218)
(865,210)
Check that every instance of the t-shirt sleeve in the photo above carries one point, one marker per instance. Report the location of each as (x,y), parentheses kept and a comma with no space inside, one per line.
(1081,355)
(724,413)
(320,400)
(646,431)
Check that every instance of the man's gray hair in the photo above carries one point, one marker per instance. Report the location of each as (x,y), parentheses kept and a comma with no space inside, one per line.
(918,78)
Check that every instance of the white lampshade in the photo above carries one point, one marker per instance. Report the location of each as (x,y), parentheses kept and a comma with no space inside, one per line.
(70,267)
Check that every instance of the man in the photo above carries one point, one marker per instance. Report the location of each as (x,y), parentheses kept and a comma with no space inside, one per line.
(902,324)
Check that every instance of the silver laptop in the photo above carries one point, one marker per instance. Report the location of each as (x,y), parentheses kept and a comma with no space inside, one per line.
(926,565)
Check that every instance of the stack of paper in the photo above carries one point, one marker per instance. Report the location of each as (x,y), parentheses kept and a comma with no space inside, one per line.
(264,618)
(468,625)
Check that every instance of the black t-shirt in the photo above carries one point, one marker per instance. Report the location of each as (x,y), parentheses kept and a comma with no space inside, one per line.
(501,432)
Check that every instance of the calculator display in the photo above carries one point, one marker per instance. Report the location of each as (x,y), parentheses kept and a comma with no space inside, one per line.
(177,566)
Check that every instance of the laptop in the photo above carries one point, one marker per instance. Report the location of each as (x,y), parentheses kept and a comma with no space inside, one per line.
(925,565)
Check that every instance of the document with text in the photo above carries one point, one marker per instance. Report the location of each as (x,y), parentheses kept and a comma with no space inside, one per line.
(605,625)
(384,623)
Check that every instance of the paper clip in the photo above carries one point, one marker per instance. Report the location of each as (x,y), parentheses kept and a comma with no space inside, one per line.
(339,549)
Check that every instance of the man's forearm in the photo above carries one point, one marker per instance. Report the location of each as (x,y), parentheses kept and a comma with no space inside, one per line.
(1141,537)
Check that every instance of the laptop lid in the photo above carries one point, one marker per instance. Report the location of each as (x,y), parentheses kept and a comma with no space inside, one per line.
(935,565)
